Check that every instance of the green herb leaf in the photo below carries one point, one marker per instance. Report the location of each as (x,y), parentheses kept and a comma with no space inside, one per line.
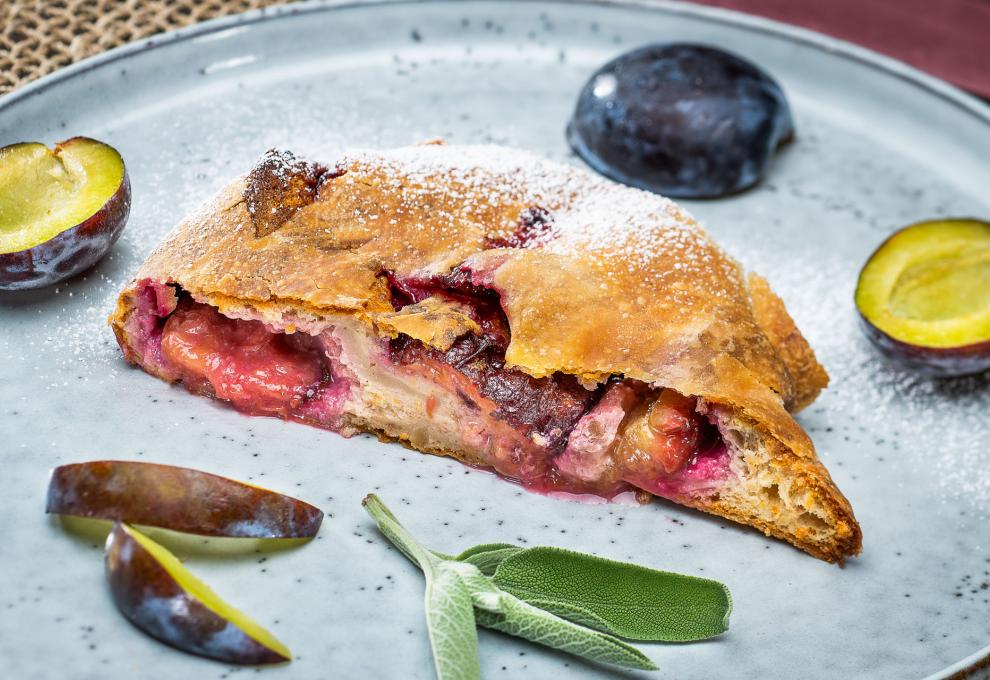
(504,612)
(531,623)
(624,599)
(488,556)
(483,548)
(566,600)
(449,606)
(573,613)
(453,632)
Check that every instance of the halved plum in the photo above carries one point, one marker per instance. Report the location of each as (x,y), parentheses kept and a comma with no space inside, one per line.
(164,599)
(924,297)
(61,209)
(179,499)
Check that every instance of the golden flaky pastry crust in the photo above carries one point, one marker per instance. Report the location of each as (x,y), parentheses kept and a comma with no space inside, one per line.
(617,282)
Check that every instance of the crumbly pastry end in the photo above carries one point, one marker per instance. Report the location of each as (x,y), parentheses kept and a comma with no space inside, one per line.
(487,304)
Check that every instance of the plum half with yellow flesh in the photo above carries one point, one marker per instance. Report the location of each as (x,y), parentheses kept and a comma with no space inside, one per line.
(61,209)
(924,297)
(164,599)
(178,498)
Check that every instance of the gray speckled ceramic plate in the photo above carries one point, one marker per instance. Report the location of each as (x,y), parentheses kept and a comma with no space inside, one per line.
(879,146)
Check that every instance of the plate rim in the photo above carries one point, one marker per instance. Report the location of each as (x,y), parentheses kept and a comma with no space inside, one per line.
(834,46)
(931,85)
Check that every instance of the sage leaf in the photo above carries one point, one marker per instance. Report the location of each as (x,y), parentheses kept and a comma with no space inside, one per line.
(521,619)
(451,622)
(501,611)
(461,594)
(449,606)
(573,613)
(488,556)
(627,600)
(484,594)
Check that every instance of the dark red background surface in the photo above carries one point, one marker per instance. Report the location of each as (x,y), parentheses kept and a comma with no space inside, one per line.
(947,38)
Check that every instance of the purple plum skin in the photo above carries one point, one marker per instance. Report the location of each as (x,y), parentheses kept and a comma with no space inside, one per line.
(150,598)
(179,499)
(934,362)
(683,120)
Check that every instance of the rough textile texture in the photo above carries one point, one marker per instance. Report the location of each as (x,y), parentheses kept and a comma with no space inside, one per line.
(40,36)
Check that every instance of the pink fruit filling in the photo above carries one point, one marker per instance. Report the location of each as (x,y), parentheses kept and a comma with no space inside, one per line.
(576,440)
(551,434)
(256,369)
(241,361)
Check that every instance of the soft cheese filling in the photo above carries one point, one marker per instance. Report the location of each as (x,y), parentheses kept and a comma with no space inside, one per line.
(551,434)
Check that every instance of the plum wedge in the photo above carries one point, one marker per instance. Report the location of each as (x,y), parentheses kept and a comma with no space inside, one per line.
(164,599)
(61,209)
(177,498)
(924,297)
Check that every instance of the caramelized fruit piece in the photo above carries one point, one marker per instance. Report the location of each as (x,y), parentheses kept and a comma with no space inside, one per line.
(662,440)
(61,210)
(163,598)
(179,499)
(683,120)
(924,297)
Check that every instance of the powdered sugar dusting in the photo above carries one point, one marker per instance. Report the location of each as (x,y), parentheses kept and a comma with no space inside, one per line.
(937,427)
(590,214)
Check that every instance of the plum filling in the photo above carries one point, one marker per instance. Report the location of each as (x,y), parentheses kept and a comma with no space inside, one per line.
(534,227)
(668,448)
(544,410)
(245,363)
(577,440)
(551,434)
(242,361)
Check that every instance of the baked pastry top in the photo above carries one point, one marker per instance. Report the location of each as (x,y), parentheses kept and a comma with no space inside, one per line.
(596,281)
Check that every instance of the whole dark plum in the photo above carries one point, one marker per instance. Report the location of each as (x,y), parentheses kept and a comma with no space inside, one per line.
(687,121)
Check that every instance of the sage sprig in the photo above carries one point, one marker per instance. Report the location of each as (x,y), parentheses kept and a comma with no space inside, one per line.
(449,606)
(623,599)
(450,583)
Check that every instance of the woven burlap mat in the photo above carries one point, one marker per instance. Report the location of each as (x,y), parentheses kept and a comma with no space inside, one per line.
(39,36)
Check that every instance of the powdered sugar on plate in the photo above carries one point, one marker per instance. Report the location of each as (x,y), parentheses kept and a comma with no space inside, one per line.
(940,427)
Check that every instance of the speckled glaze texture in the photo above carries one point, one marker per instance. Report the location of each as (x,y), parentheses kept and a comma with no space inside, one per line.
(874,150)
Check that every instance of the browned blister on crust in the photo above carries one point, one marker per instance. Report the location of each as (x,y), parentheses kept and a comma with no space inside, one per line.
(278,186)
(618,282)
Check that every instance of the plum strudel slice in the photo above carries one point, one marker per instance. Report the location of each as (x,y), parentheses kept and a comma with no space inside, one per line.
(571,334)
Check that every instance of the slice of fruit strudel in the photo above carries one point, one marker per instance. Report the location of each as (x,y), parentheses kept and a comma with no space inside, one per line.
(571,334)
